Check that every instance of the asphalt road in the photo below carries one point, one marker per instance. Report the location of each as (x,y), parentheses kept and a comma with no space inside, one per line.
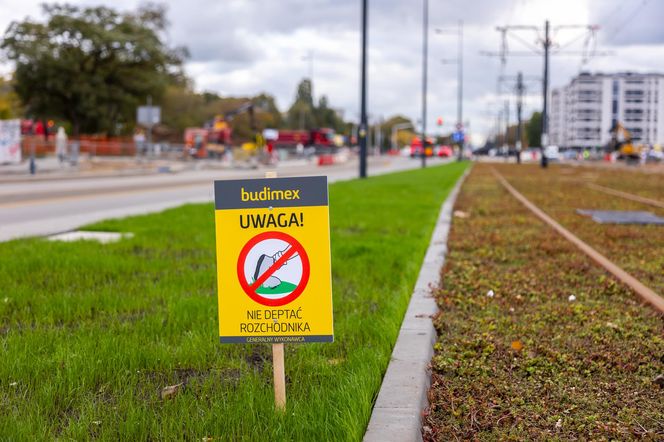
(46,207)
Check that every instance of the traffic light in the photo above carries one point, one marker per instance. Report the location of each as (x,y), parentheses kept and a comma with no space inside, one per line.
(439,121)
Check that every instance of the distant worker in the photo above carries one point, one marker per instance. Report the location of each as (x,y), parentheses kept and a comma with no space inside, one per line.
(139,141)
(61,144)
(198,144)
(271,154)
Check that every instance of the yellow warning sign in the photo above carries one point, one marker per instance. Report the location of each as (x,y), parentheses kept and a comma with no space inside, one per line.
(273,260)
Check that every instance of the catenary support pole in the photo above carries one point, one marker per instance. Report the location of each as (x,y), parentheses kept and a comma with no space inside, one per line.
(519,105)
(460,89)
(545,95)
(507,129)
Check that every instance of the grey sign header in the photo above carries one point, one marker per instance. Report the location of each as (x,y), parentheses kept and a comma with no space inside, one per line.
(270,192)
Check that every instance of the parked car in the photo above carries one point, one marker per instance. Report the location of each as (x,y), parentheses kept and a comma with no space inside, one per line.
(443,151)
(655,155)
(571,154)
(531,154)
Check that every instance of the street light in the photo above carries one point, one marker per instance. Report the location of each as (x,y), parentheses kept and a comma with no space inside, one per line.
(425,41)
(459,62)
(362,131)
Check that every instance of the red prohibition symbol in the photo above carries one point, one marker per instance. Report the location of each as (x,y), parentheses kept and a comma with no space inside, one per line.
(266,267)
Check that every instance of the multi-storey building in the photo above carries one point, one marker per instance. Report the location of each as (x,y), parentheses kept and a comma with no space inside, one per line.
(583,112)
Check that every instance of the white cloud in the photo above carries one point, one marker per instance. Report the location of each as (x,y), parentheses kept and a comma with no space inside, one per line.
(242,47)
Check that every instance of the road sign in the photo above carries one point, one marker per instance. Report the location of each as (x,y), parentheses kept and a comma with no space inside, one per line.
(273,260)
(10,141)
(148,115)
(458,136)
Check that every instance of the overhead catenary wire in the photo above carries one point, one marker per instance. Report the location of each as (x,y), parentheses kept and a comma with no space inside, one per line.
(619,28)
(607,18)
(547,52)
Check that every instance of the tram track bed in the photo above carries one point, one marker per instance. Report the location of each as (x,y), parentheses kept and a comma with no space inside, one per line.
(536,341)
(558,191)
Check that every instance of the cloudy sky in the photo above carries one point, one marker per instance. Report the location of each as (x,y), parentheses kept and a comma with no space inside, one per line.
(241,47)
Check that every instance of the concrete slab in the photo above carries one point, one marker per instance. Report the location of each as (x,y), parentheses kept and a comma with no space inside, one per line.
(402,421)
(622,217)
(412,349)
(83,235)
(421,308)
(403,394)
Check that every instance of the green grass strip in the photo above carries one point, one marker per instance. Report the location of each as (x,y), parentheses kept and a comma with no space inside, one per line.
(90,333)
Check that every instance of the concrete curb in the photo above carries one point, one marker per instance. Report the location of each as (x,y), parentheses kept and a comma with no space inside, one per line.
(403,394)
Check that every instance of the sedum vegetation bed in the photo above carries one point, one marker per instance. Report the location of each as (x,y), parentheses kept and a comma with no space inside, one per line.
(561,351)
(90,334)
(559,191)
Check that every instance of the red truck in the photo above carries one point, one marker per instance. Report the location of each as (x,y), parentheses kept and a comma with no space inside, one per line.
(321,139)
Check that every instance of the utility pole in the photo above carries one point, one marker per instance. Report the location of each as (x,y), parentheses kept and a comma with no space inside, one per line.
(425,35)
(362,132)
(520,88)
(545,93)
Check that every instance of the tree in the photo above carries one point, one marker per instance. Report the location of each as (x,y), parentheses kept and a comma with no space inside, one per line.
(534,130)
(267,112)
(328,117)
(303,93)
(10,107)
(304,114)
(405,133)
(92,65)
(182,107)
(301,113)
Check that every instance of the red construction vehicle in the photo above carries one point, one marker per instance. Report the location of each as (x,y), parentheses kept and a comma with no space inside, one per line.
(321,139)
(215,137)
(416,147)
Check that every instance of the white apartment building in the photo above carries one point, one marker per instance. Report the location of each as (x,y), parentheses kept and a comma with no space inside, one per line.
(583,112)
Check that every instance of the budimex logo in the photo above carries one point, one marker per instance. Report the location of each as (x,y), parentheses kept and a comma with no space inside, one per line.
(268,194)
